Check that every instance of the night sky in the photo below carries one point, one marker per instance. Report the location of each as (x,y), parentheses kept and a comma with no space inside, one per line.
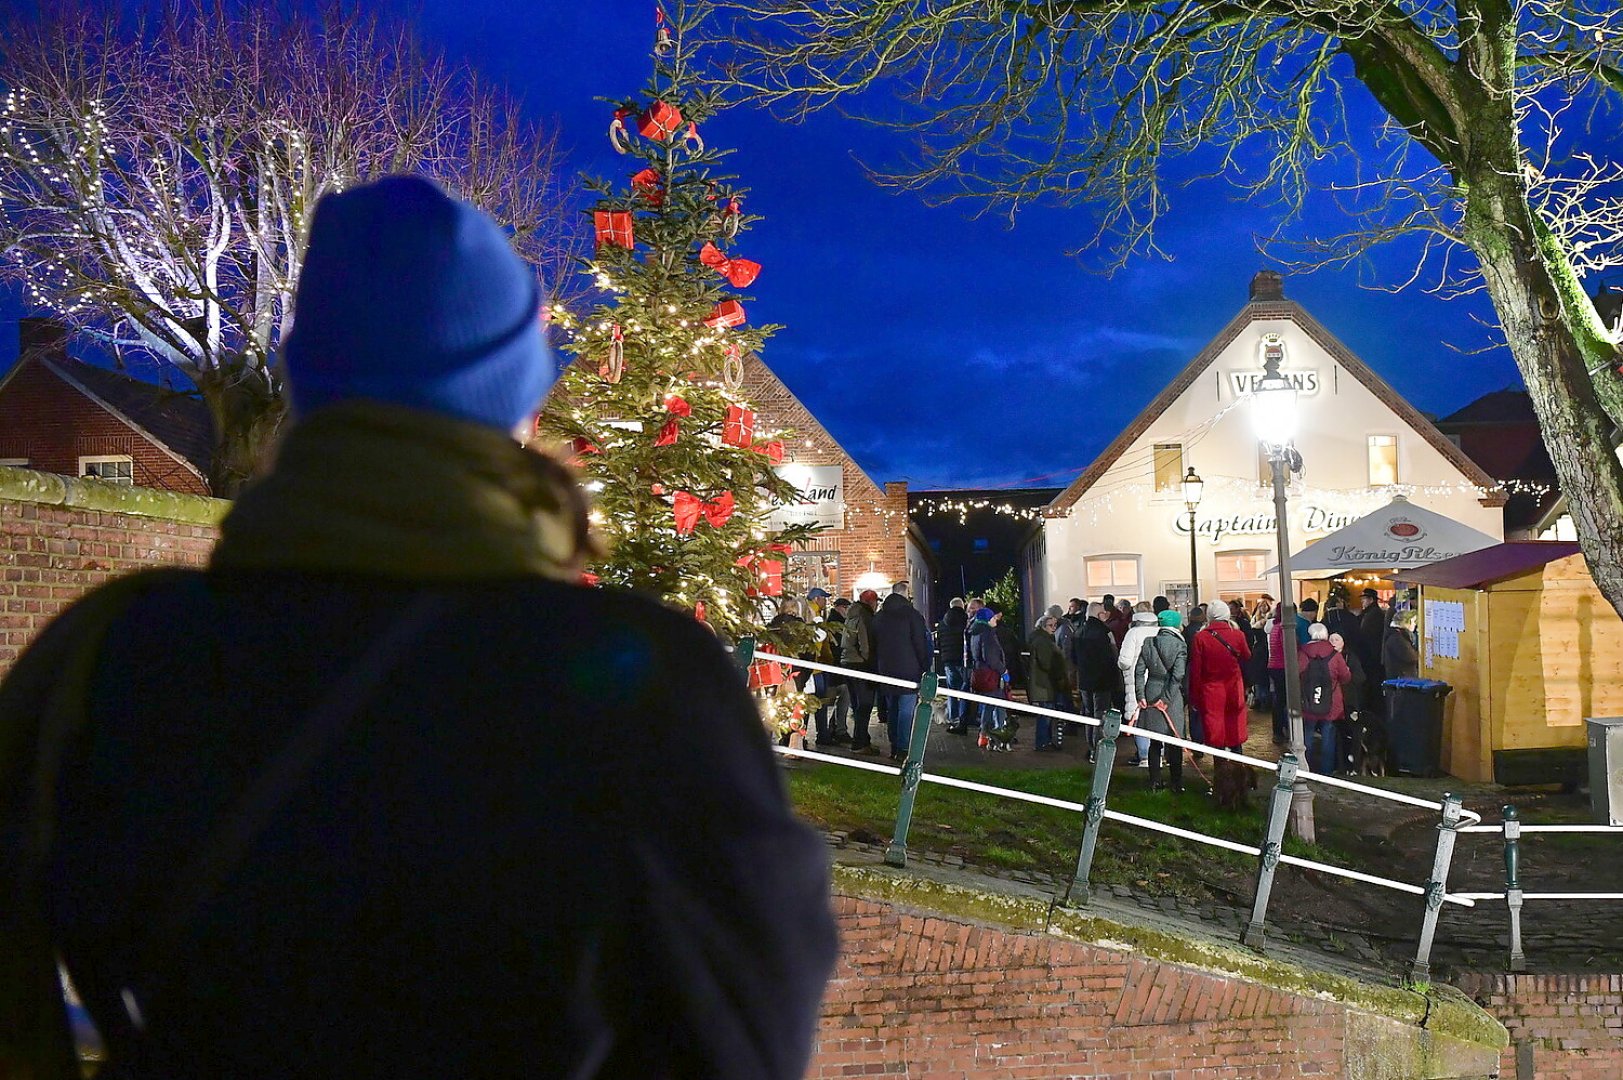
(941,349)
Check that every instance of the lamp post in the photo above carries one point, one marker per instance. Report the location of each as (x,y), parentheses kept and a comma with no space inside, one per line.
(1273,411)
(1193,487)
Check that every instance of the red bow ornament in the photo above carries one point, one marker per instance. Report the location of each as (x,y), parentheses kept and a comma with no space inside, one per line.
(667,433)
(646,183)
(677,405)
(739,272)
(689,508)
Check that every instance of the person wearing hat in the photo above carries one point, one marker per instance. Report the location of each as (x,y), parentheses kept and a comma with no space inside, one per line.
(1371,641)
(857,652)
(1159,680)
(1218,653)
(333,784)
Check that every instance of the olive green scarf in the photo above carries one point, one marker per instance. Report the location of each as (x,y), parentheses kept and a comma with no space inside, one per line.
(380,490)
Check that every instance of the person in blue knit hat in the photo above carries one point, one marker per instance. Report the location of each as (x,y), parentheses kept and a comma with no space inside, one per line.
(334,778)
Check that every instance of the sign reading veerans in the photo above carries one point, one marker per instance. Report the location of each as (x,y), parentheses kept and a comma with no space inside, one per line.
(822,496)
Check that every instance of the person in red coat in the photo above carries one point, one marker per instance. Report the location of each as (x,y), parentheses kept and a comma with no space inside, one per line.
(1217,655)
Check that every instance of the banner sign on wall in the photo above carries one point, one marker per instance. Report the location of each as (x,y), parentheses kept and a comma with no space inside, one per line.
(822,496)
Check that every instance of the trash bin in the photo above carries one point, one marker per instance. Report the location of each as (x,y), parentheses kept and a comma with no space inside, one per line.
(1414,725)
(1606,768)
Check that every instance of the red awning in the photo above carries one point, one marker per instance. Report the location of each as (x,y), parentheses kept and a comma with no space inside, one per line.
(1477,568)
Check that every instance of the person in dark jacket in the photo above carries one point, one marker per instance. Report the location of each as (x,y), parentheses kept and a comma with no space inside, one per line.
(1371,639)
(857,652)
(1013,652)
(902,643)
(1093,651)
(1399,657)
(341,825)
(950,655)
(1351,736)
(989,676)
(1050,680)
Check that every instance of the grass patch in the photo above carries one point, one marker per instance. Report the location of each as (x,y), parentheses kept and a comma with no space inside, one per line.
(1003,834)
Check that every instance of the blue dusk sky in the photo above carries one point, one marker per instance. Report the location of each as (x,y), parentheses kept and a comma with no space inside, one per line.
(949,350)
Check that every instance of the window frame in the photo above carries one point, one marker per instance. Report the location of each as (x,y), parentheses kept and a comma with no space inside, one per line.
(1115,588)
(1397,458)
(1173,491)
(87,460)
(1217,558)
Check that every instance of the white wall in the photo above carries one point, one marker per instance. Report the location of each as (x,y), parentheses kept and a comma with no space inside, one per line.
(1123,514)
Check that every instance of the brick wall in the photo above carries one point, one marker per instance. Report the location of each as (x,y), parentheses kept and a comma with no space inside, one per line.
(1560,1025)
(51,425)
(937,998)
(59,538)
(876,517)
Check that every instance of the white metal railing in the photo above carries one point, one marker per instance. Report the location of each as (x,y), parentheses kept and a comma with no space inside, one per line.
(1454,817)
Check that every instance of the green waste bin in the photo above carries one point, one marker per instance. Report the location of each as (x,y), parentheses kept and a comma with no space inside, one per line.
(1414,725)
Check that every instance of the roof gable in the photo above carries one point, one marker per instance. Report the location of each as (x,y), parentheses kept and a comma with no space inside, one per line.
(1261,311)
(175,423)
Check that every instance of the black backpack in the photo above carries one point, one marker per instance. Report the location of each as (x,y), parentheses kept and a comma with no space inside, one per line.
(1318,689)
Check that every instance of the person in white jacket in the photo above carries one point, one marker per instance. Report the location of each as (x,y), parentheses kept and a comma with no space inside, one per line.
(1142,628)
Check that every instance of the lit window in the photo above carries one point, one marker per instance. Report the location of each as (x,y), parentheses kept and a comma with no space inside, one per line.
(1241,566)
(1169,467)
(1383,460)
(115,468)
(1116,574)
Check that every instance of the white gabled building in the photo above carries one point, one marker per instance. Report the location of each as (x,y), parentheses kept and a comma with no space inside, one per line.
(1122,527)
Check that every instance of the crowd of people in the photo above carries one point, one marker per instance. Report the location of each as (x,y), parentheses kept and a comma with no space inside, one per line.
(1194,677)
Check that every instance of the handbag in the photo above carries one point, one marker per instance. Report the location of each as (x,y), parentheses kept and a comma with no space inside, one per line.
(983,680)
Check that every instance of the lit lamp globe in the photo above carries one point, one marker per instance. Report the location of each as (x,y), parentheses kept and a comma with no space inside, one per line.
(1193,488)
(1273,409)
(871,579)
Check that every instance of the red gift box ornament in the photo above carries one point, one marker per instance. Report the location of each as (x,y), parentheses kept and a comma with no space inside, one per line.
(726,313)
(667,433)
(646,183)
(764,673)
(660,121)
(699,611)
(614,228)
(589,579)
(768,575)
(739,430)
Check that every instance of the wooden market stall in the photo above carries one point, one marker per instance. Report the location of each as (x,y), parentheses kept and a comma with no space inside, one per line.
(1531,648)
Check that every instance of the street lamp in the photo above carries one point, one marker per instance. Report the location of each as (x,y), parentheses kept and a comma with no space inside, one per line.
(1273,412)
(1193,487)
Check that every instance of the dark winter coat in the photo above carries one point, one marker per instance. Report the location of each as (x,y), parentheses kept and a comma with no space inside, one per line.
(856,640)
(1118,621)
(901,639)
(1049,678)
(453,883)
(1399,658)
(1340,675)
(1094,653)
(985,650)
(1371,632)
(1344,622)
(1013,648)
(950,636)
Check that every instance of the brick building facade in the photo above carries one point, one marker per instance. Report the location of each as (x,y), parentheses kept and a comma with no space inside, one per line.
(64,416)
(875,536)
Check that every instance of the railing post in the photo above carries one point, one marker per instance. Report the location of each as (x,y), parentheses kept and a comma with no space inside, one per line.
(744,652)
(1104,764)
(1279,808)
(1436,886)
(1513,886)
(917,739)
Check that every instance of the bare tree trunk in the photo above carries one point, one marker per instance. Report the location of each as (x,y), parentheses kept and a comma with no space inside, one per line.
(248,413)
(1536,309)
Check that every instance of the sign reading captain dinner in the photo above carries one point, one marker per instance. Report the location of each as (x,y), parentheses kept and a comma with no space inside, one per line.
(822,497)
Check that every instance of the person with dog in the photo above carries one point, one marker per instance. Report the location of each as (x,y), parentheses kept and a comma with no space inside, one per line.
(1159,678)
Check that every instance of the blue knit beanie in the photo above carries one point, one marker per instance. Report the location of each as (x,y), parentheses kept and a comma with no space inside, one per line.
(411,297)
(985,614)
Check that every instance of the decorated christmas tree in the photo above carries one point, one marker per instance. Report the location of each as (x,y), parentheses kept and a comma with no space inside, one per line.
(653,405)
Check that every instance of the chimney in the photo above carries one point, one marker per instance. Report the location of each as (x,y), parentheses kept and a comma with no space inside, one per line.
(1268,285)
(46,338)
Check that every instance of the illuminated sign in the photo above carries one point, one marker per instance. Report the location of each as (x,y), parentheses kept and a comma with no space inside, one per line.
(1272,347)
(1313,520)
(822,497)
